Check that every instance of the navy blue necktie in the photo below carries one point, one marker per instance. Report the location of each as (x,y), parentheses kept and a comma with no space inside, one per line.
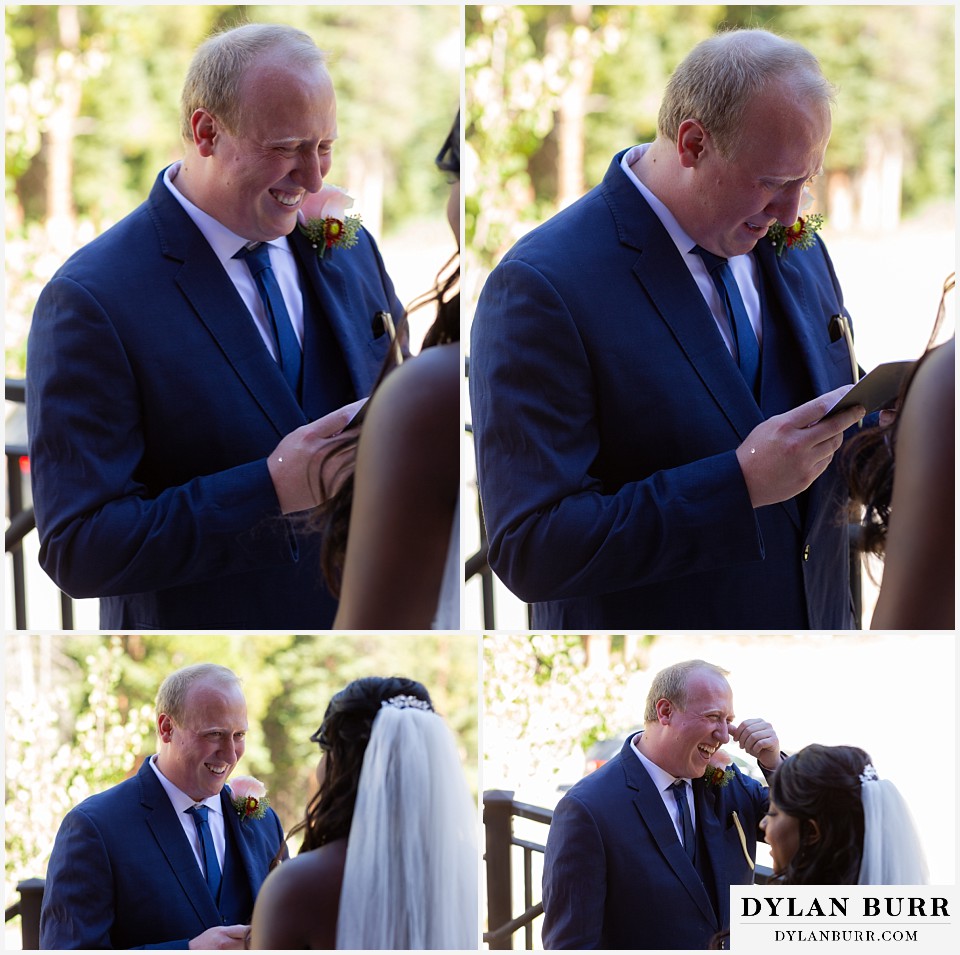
(680,794)
(748,348)
(291,355)
(207,851)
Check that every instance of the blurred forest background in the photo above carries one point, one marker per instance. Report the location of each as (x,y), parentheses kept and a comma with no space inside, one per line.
(92,100)
(79,714)
(554,91)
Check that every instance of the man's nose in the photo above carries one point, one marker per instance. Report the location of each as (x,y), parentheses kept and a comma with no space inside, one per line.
(723,734)
(308,172)
(785,205)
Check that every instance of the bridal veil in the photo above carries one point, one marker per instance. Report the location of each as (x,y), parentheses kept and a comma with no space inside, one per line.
(410,879)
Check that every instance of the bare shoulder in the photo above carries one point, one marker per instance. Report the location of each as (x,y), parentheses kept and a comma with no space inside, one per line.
(421,384)
(297,904)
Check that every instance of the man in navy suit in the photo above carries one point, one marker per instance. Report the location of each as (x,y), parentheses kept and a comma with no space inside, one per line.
(169,433)
(632,472)
(129,868)
(635,861)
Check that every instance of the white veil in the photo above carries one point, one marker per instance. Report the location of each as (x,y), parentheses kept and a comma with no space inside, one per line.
(892,854)
(410,878)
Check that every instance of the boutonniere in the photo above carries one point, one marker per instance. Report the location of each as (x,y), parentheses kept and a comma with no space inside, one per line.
(715,776)
(249,797)
(324,220)
(799,236)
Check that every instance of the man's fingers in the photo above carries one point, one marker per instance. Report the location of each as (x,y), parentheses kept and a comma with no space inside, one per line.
(334,422)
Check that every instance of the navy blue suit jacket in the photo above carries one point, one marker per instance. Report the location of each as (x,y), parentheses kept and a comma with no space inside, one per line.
(615,874)
(152,405)
(606,415)
(123,875)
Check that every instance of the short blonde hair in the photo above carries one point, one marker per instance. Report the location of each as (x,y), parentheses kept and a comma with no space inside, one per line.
(215,76)
(172,695)
(721,75)
(671,684)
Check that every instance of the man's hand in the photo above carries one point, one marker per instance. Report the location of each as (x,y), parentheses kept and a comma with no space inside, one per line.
(760,740)
(297,462)
(220,936)
(785,454)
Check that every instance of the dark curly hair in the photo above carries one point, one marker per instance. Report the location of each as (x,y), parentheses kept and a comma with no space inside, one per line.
(822,783)
(332,518)
(343,736)
(868,460)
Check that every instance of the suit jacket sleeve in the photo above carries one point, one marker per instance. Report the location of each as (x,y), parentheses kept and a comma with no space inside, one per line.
(79,903)
(574,879)
(102,531)
(535,420)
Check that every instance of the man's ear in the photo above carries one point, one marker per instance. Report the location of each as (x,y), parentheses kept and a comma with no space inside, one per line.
(664,711)
(692,138)
(164,727)
(205,128)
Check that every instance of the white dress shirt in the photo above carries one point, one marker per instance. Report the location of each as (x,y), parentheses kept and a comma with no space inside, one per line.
(181,803)
(743,267)
(663,781)
(226,244)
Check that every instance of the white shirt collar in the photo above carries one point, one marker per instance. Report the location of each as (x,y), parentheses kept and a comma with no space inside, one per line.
(180,800)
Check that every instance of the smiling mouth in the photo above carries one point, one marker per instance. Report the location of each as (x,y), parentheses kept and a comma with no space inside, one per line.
(219,771)
(706,751)
(286,199)
(758,230)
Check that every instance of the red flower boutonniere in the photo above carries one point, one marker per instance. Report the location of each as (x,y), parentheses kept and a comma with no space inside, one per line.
(799,236)
(249,797)
(715,776)
(323,220)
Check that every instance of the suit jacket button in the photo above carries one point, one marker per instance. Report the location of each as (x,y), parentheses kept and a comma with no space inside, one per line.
(806,552)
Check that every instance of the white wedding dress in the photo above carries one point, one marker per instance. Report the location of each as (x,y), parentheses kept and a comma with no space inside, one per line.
(447,616)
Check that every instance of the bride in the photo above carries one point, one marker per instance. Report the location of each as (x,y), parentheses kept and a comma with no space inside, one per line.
(833,821)
(389,856)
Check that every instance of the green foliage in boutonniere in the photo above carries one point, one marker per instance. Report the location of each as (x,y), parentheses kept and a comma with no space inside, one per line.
(323,220)
(799,236)
(715,776)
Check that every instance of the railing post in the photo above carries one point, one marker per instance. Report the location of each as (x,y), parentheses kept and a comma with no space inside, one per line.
(498,825)
(31,897)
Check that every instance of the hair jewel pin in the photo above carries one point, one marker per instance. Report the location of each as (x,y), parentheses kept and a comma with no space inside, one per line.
(406,702)
(869,774)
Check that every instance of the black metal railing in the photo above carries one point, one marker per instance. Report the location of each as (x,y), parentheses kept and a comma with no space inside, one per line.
(20,516)
(499,810)
(28,908)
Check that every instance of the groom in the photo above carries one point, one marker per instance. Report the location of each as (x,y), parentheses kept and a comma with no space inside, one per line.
(137,866)
(641,854)
(648,377)
(187,369)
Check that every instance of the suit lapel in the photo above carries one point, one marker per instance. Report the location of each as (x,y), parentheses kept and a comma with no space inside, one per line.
(654,815)
(343,306)
(218,305)
(162,821)
(241,837)
(674,293)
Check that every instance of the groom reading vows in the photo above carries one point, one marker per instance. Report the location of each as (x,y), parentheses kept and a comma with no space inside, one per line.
(641,853)
(187,369)
(648,375)
(163,860)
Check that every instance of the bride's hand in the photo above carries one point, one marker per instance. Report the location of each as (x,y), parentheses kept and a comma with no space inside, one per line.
(760,740)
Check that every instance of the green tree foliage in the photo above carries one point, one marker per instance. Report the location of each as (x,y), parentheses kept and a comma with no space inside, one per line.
(893,66)
(80,713)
